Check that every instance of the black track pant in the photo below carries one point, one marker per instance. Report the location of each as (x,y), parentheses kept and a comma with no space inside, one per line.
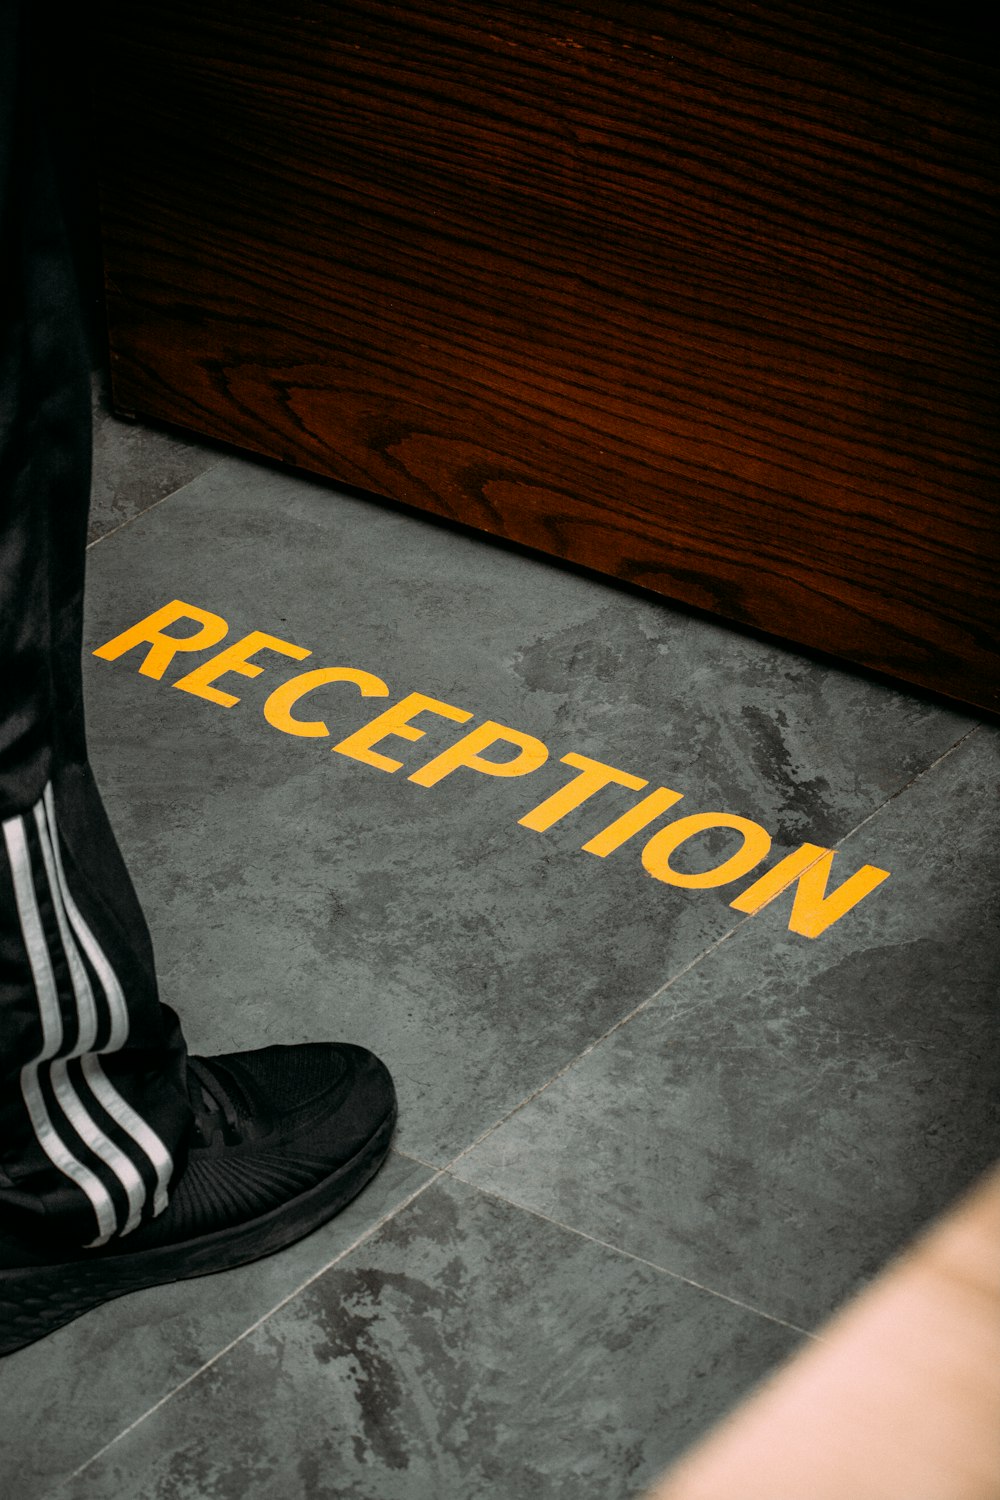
(93,1109)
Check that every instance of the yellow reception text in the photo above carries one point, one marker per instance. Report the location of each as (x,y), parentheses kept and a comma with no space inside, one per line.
(181,630)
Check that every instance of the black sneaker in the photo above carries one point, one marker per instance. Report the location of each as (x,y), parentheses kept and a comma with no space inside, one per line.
(284,1139)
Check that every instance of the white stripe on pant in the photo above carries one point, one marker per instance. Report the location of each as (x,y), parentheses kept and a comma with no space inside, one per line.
(70,921)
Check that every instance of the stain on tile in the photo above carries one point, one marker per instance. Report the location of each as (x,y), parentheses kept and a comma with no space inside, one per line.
(66,1396)
(469,1349)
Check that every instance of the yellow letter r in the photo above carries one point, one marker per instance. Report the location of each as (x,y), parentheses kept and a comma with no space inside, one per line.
(162,647)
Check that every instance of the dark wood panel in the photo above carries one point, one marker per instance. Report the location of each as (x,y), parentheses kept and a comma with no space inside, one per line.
(698,296)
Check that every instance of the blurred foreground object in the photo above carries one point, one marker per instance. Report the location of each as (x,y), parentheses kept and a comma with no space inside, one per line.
(899,1401)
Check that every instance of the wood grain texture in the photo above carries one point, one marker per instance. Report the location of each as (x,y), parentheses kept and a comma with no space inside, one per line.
(701,297)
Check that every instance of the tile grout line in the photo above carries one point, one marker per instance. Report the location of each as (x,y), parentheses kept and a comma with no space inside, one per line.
(257,1323)
(594,1239)
(917,776)
(590,1047)
(641,1260)
(106,535)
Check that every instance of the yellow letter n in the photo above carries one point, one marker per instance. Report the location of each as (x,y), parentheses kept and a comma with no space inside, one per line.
(813,911)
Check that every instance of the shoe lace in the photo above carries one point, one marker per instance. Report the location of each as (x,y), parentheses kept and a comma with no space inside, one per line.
(216,1117)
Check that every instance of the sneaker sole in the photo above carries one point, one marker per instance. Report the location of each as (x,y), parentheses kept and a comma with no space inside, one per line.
(36,1300)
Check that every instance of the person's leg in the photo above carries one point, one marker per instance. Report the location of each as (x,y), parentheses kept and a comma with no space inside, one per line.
(93,1105)
(123,1163)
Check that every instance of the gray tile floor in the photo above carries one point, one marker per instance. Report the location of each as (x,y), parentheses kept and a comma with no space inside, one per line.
(647,1141)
